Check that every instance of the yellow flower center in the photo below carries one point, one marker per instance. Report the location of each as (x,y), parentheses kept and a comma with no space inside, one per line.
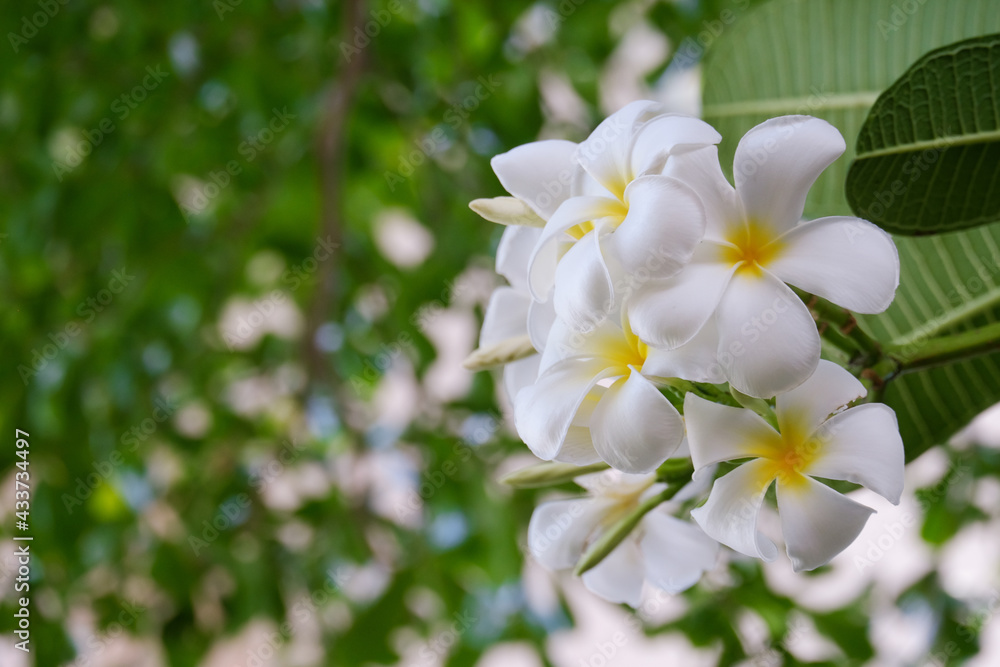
(753,246)
(612,214)
(637,350)
(789,458)
(581,230)
(624,501)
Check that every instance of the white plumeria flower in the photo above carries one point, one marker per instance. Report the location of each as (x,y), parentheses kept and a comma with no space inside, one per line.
(663,550)
(860,445)
(595,399)
(511,314)
(754,243)
(620,210)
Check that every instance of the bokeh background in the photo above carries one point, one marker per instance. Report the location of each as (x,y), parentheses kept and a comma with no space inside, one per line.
(239,278)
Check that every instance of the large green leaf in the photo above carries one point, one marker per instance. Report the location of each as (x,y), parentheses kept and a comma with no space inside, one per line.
(927,155)
(826,58)
(948,283)
(832,59)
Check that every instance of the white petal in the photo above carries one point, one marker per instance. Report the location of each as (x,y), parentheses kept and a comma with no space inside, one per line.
(730,514)
(826,391)
(695,360)
(584,295)
(514,252)
(539,173)
(604,154)
(768,343)
(862,445)
(519,374)
(669,313)
(541,317)
(849,261)
(618,484)
(578,447)
(619,577)
(605,341)
(778,161)
(700,169)
(506,316)
(545,258)
(655,139)
(817,522)
(721,433)
(558,531)
(635,428)
(676,552)
(665,222)
(544,411)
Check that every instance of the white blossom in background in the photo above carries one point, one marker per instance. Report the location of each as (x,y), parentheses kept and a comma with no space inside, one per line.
(616,208)
(755,243)
(665,551)
(860,445)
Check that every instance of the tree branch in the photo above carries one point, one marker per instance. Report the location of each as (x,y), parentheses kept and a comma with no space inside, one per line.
(331,147)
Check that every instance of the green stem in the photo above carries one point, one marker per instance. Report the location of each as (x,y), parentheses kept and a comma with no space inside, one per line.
(675,471)
(612,537)
(705,390)
(843,330)
(549,474)
(946,349)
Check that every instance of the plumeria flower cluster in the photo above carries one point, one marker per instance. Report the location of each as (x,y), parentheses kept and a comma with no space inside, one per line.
(655,324)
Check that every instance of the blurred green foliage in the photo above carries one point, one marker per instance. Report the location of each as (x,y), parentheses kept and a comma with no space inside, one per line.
(152,482)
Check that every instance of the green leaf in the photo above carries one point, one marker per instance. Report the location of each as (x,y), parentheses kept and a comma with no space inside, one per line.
(832,59)
(927,154)
(826,58)
(949,283)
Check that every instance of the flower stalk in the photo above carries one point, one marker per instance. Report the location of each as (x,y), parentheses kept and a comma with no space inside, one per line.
(946,349)
(610,539)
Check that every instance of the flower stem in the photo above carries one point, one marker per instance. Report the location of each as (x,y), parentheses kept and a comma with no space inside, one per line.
(705,390)
(548,474)
(611,538)
(946,349)
(842,330)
